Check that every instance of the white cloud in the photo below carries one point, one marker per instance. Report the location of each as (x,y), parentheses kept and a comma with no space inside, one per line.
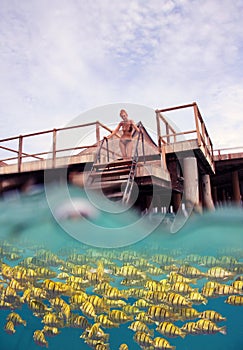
(60,58)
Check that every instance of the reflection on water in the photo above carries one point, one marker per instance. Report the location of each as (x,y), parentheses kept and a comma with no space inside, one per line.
(182,290)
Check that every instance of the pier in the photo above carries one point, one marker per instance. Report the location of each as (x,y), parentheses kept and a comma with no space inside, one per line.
(178,167)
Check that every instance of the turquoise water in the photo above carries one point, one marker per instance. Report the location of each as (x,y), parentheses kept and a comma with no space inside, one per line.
(28,229)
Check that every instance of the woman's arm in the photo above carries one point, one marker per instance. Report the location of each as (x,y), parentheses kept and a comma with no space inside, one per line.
(135,126)
(114,131)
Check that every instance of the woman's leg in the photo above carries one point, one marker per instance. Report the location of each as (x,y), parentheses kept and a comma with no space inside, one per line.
(123,149)
(129,149)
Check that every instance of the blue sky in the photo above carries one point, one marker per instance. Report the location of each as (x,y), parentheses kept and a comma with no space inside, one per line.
(60,58)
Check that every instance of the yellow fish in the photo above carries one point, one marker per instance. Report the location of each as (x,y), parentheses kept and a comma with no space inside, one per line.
(162,344)
(130,271)
(170,330)
(174,277)
(39,338)
(141,327)
(212,316)
(119,316)
(205,326)
(50,331)
(123,347)
(88,309)
(77,321)
(235,300)
(190,328)
(181,288)
(186,313)
(115,303)
(130,309)
(16,319)
(144,317)
(218,273)
(156,297)
(238,286)
(143,339)
(159,313)
(9,327)
(99,304)
(197,298)
(176,300)
(51,320)
(106,322)
(115,293)
(157,286)
(191,272)
(78,299)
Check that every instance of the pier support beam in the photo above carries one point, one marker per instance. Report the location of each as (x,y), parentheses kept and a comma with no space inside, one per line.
(236,188)
(223,194)
(191,190)
(206,189)
(176,201)
(215,195)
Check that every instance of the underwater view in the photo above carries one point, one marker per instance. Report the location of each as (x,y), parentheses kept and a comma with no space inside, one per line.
(89,279)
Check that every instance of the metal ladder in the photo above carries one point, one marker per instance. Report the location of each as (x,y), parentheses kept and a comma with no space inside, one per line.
(132,174)
(125,197)
(97,160)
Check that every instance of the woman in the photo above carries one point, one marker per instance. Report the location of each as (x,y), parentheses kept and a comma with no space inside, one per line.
(126,139)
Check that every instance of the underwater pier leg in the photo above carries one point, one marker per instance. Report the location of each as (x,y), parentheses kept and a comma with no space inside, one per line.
(176,200)
(207,196)
(236,187)
(191,189)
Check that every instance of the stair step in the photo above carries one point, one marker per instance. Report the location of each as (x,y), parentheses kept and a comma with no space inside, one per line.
(107,184)
(111,172)
(113,164)
(115,195)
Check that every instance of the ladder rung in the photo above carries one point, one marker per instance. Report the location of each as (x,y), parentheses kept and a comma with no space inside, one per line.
(113,164)
(107,184)
(115,195)
(111,172)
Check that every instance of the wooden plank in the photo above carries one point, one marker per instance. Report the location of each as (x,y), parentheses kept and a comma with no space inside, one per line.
(107,184)
(113,164)
(20,153)
(111,172)
(115,195)
(177,107)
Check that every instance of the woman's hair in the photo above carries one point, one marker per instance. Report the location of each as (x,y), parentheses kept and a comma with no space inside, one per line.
(123,111)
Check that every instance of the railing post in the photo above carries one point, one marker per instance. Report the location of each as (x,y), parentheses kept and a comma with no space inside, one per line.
(97,132)
(164,157)
(144,160)
(196,114)
(20,153)
(107,150)
(167,132)
(158,129)
(54,148)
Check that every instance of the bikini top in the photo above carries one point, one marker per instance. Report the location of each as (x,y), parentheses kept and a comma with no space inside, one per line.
(126,126)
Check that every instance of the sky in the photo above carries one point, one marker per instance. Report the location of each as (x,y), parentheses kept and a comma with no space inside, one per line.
(62,58)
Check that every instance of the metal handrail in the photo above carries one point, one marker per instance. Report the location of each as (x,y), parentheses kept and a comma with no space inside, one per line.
(133,169)
(97,158)
(21,154)
(36,155)
(203,137)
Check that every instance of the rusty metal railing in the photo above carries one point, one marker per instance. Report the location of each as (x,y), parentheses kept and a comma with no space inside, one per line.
(21,154)
(228,153)
(172,136)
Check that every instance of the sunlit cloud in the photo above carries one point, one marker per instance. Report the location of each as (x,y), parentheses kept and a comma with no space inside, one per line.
(60,58)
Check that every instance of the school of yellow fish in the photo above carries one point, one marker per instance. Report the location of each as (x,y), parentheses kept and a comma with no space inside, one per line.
(95,290)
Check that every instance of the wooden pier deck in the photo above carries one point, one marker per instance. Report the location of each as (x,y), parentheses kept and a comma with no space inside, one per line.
(159,163)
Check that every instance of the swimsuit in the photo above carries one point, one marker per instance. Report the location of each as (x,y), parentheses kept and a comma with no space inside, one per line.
(125,141)
(127,128)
